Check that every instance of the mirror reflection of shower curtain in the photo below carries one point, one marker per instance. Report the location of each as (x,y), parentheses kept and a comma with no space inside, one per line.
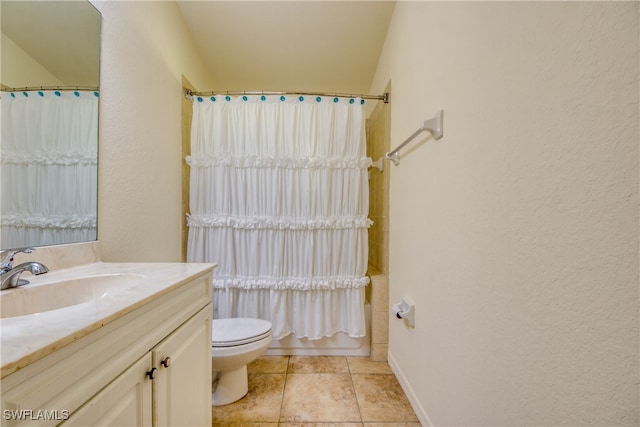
(279,199)
(48,161)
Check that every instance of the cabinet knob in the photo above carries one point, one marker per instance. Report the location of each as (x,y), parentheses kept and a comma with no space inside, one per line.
(166,362)
(152,373)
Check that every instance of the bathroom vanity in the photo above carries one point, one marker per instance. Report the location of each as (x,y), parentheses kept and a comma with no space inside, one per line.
(134,349)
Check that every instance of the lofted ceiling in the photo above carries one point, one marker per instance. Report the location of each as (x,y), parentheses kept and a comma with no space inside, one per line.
(329,46)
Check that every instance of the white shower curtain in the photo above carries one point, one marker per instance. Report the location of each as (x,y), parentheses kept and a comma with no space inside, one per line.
(48,161)
(279,199)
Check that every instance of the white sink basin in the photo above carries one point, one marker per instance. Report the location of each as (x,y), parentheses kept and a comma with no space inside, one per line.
(47,296)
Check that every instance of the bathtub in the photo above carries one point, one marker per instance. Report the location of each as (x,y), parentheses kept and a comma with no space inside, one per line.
(338,345)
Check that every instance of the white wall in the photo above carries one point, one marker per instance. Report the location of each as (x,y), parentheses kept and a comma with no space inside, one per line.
(517,233)
(146,49)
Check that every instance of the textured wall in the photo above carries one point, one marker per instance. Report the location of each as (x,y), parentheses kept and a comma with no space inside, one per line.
(517,233)
(146,50)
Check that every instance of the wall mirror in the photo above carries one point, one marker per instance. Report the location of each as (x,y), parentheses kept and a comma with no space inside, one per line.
(49,74)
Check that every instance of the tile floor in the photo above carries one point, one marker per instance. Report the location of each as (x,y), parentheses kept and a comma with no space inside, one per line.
(297,391)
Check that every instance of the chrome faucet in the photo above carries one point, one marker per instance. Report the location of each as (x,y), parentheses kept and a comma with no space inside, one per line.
(11,275)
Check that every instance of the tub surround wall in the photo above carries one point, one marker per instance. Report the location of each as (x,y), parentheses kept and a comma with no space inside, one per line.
(516,234)
(378,144)
(379,288)
(378,129)
(187,116)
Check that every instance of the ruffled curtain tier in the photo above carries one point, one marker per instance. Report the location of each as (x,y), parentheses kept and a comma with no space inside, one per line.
(279,199)
(49,167)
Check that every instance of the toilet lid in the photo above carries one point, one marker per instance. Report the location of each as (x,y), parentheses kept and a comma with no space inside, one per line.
(238,331)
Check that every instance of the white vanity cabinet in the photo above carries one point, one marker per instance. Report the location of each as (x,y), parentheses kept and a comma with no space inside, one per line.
(182,388)
(126,401)
(148,367)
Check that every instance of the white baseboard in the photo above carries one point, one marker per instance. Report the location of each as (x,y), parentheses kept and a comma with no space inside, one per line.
(408,390)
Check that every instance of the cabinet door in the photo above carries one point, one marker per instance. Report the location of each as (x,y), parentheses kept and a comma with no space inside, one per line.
(182,389)
(127,401)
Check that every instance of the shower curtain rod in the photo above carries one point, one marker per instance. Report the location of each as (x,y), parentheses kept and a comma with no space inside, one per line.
(32,88)
(384,97)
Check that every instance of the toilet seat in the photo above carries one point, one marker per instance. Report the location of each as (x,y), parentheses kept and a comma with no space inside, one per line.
(238,331)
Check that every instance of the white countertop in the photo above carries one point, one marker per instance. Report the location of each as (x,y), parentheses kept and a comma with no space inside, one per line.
(26,339)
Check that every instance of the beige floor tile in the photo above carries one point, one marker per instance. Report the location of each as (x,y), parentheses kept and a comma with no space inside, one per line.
(401,424)
(269,365)
(261,404)
(243,424)
(318,392)
(381,398)
(364,365)
(318,365)
(320,425)
(320,398)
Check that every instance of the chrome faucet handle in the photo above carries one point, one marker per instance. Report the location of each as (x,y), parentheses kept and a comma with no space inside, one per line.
(7,261)
(11,279)
(33,267)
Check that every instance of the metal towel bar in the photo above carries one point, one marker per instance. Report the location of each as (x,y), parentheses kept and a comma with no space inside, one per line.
(432,125)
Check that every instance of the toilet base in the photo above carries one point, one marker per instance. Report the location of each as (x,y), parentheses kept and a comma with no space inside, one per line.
(229,386)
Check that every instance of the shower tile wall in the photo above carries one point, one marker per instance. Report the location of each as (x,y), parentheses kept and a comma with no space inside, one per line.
(187,114)
(377,146)
(379,317)
(378,143)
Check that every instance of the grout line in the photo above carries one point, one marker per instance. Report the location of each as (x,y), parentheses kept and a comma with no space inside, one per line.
(355,394)
(284,389)
(280,421)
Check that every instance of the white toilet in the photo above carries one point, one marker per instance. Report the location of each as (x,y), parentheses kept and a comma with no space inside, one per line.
(235,343)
